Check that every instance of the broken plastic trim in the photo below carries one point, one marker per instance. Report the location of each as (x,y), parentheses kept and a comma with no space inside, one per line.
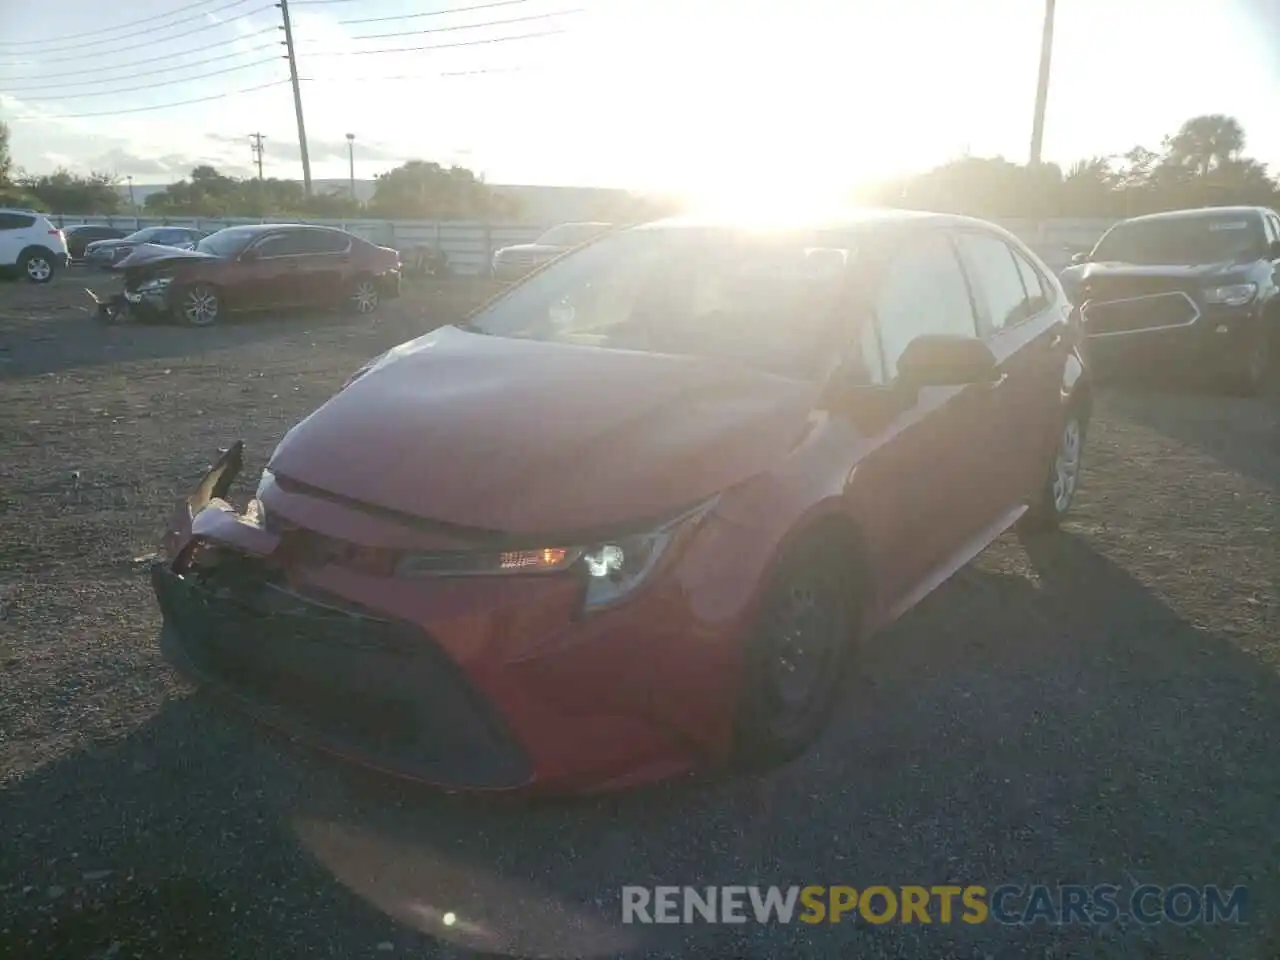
(217,482)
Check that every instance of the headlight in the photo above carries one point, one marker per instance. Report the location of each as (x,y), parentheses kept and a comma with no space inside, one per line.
(612,569)
(155,285)
(1232,295)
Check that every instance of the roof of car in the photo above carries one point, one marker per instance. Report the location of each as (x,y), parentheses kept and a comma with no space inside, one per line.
(1197,212)
(267,227)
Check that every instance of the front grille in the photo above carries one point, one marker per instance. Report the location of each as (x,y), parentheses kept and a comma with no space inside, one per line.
(1136,314)
(377,689)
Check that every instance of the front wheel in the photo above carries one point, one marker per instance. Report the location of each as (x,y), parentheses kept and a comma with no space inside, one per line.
(795,656)
(37,266)
(198,306)
(1054,499)
(1254,368)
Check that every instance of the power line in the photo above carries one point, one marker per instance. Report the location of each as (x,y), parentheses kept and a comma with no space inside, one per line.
(437,46)
(99,79)
(422,76)
(150,39)
(122,26)
(166,106)
(152,86)
(468,26)
(431,13)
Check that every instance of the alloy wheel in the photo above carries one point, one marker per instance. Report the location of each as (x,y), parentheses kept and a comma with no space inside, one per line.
(200,307)
(39,268)
(1066,466)
(365,297)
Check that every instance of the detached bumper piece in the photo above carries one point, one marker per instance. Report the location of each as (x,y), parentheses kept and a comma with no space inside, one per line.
(375,691)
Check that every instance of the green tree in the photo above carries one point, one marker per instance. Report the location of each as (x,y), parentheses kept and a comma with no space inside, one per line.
(420,190)
(65,192)
(1204,143)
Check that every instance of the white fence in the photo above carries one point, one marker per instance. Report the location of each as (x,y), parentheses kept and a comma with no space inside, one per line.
(469,245)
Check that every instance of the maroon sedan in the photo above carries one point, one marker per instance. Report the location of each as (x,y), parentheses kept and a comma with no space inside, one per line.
(639,513)
(256,267)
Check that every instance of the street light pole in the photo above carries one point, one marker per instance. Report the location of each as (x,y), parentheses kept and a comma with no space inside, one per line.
(1042,87)
(351,162)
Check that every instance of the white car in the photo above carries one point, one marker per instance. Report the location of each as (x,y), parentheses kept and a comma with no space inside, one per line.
(31,245)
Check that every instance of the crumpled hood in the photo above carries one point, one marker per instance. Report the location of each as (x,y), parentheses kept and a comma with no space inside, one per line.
(153,254)
(525,437)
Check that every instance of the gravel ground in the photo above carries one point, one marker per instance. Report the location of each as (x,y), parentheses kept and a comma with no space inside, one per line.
(1100,706)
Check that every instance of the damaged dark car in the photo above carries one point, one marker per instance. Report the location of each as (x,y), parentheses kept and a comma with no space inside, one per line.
(1184,292)
(251,268)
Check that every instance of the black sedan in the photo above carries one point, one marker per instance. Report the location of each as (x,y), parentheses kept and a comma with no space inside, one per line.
(107,253)
(81,235)
(1189,290)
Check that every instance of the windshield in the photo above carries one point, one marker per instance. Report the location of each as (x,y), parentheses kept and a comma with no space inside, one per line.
(571,234)
(762,299)
(225,243)
(145,234)
(1183,242)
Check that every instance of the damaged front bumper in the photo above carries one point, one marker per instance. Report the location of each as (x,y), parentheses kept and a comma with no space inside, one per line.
(126,305)
(367,687)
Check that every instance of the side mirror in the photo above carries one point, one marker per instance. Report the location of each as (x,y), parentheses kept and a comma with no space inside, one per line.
(1079,258)
(1273,251)
(940,360)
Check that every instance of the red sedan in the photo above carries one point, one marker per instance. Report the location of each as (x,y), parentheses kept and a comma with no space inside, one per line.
(636,515)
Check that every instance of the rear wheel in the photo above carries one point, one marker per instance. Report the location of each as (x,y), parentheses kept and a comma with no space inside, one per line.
(37,265)
(796,654)
(198,305)
(1054,499)
(364,296)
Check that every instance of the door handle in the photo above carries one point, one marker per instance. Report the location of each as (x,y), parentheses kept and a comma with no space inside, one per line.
(1055,341)
(1000,382)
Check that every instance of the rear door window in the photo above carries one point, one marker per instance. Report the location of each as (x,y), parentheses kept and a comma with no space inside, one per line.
(997,282)
(289,244)
(16,221)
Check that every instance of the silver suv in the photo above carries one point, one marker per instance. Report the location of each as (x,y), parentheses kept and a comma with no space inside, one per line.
(31,245)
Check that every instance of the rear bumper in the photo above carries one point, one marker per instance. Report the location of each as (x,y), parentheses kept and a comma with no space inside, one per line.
(372,690)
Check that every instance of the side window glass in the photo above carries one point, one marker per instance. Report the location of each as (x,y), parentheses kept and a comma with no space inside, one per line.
(923,291)
(15,221)
(330,241)
(997,286)
(1038,297)
(281,245)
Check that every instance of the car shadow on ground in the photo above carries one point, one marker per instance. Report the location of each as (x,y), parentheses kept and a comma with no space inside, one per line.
(1044,718)
(1243,434)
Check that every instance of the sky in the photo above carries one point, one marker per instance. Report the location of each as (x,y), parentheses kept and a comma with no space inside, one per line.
(661,95)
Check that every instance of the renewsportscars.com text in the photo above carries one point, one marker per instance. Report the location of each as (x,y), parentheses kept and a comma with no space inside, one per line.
(1009,904)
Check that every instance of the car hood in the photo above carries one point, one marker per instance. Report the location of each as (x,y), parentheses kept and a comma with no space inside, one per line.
(153,254)
(1225,271)
(526,437)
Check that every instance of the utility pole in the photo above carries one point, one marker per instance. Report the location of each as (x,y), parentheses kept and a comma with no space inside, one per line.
(132,202)
(255,145)
(351,162)
(297,96)
(1042,88)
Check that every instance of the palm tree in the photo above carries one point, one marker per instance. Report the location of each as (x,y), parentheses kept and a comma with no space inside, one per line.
(1206,142)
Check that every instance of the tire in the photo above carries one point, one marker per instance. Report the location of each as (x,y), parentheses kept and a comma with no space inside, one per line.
(365,297)
(1254,369)
(808,610)
(199,305)
(38,265)
(1054,499)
